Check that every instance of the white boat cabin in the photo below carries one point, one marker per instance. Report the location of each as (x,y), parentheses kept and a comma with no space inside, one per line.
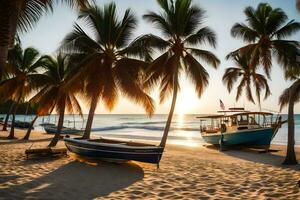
(232,123)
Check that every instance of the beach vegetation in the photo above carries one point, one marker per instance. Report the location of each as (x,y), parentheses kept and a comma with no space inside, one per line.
(289,98)
(22,78)
(110,65)
(247,77)
(181,25)
(56,93)
(17,16)
(265,33)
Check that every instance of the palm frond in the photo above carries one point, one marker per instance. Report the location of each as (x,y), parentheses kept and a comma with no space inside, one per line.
(239,89)
(287,53)
(126,29)
(128,80)
(287,30)
(155,71)
(160,22)
(290,92)
(197,73)
(243,31)
(207,56)
(202,36)
(230,76)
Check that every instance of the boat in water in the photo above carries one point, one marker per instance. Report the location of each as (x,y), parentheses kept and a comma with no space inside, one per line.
(52,129)
(243,128)
(115,150)
(23,124)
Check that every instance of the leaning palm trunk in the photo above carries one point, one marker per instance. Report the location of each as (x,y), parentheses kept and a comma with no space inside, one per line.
(26,137)
(7,117)
(55,139)
(170,116)
(4,40)
(12,128)
(88,128)
(290,158)
(5,33)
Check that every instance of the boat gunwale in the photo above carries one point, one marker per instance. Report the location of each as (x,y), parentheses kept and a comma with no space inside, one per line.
(86,142)
(115,151)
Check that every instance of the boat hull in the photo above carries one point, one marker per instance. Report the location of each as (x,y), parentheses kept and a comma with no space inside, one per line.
(53,130)
(148,154)
(257,137)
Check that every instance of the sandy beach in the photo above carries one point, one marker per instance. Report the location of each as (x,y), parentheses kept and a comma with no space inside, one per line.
(184,173)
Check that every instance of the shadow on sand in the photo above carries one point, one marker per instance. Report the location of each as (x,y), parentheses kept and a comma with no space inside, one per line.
(256,156)
(5,178)
(6,141)
(77,180)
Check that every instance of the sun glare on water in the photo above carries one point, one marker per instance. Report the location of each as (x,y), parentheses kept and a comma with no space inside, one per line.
(187,138)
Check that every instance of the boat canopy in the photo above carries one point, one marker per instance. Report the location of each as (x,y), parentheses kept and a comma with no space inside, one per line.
(253,113)
(210,116)
(234,115)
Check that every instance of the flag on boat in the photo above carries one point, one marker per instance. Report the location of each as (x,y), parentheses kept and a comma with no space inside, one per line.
(222,105)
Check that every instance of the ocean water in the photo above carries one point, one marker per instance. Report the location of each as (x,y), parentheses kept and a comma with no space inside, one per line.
(184,128)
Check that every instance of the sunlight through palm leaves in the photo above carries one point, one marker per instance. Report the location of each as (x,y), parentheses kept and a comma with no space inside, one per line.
(56,92)
(22,77)
(180,23)
(20,16)
(105,64)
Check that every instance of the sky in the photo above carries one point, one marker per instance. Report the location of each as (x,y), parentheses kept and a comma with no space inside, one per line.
(220,16)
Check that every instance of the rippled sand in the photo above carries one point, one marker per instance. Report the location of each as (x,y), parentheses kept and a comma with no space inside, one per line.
(184,173)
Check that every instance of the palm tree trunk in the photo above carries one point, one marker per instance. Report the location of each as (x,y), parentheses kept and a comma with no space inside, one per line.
(7,117)
(13,27)
(3,55)
(290,158)
(88,128)
(4,34)
(26,137)
(12,127)
(170,116)
(55,139)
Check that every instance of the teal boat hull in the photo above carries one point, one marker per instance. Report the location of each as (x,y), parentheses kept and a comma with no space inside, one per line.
(256,137)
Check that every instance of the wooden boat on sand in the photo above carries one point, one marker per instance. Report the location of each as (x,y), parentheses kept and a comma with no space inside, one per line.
(115,149)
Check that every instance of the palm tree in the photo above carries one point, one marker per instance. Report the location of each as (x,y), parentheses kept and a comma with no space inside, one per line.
(23,77)
(22,15)
(265,31)
(57,92)
(4,128)
(248,77)
(27,135)
(180,24)
(105,63)
(289,97)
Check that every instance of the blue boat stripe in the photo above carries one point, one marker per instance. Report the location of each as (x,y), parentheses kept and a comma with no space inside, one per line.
(114,151)
(239,131)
